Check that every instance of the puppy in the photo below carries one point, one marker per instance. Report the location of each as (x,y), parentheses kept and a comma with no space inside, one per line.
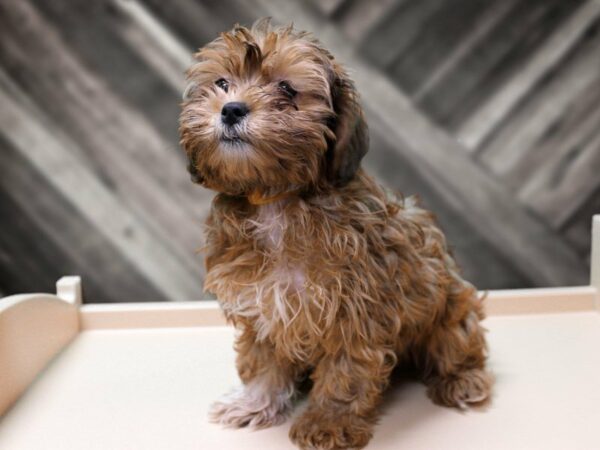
(322,273)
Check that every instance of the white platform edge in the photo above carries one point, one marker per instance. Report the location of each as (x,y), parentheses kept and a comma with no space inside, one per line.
(208,313)
(33,329)
(595,257)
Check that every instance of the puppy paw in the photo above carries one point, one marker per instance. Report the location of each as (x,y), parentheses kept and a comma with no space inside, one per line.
(253,405)
(461,389)
(325,431)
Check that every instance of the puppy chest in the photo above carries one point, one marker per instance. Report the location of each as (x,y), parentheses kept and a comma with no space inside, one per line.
(279,295)
(279,298)
(268,227)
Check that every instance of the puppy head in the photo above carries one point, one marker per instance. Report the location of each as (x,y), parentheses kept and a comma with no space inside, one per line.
(269,110)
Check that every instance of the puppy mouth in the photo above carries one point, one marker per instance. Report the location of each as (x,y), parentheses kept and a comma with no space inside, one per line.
(232,137)
(232,140)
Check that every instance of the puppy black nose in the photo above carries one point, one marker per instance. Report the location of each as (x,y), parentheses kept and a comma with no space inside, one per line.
(233,112)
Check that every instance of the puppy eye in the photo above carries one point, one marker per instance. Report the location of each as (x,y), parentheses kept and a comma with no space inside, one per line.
(223,84)
(285,87)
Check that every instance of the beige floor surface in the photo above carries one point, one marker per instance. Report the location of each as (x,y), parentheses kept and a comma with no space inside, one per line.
(150,389)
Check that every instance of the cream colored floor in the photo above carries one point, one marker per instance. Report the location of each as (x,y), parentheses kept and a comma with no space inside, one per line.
(150,389)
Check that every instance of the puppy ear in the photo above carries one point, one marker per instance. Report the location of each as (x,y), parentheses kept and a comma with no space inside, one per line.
(349,127)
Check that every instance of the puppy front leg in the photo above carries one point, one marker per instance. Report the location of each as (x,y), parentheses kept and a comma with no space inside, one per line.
(268,387)
(343,402)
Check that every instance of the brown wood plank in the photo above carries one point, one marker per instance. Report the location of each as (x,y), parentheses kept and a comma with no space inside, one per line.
(459,181)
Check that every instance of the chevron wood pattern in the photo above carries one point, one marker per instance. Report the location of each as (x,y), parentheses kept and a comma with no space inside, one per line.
(485,108)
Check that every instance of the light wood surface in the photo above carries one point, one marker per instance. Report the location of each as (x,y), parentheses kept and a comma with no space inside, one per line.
(150,389)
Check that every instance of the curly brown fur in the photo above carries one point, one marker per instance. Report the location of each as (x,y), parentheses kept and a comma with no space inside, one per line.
(321,271)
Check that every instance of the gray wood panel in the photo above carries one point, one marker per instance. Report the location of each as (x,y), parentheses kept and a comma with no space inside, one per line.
(494,60)
(486,109)
(113,141)
(394,33)
(44,237)
(552,54)
(578,230)
(197,23)
(438,35)
(102,50)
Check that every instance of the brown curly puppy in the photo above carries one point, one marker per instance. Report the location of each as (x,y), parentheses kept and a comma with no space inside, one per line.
(321,271)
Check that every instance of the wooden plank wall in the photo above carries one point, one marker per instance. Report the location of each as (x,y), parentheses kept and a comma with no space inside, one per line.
(94,182)
(516,82)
